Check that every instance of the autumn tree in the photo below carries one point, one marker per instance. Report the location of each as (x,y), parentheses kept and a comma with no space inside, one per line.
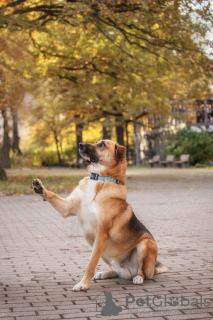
(118,60)
(119,40)
(12,90)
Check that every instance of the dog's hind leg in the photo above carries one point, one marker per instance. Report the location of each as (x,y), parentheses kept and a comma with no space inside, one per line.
(139,278)
(147,254)
(105,275)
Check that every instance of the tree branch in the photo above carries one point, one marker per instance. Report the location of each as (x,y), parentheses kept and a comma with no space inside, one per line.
(15,3)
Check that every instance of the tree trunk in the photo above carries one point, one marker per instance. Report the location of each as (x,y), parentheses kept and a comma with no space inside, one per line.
(137,146)
(3,176)
(127,139)
(106,133)
(15,145)
(5,150)
(205,112)
(57,147)
(120,134)
(79,130)
(62,153)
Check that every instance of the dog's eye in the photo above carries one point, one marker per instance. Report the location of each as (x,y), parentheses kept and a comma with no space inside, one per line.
(101,145)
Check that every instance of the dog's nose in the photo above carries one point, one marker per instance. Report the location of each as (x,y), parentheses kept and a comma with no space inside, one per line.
(81,145)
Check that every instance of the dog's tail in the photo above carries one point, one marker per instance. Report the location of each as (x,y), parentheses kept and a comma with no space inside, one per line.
(160,268)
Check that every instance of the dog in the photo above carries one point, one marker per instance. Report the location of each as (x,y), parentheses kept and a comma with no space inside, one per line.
(107,220)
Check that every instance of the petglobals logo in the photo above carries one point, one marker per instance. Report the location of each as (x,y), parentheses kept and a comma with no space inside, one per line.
(105,306)
(162,301)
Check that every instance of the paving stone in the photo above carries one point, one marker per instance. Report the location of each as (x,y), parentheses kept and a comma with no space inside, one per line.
(37,274)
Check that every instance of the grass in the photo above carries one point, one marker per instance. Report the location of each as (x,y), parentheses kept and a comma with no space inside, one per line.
(21,183)
(64,180)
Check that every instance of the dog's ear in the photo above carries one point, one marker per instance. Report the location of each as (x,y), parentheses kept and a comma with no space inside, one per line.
(120,152)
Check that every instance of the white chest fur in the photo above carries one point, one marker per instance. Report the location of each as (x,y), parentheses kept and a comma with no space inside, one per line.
(88,212)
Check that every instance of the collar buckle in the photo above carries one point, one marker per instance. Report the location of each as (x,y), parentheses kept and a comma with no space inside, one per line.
(94,176)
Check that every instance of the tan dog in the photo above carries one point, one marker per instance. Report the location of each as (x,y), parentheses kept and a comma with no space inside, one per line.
(108,222)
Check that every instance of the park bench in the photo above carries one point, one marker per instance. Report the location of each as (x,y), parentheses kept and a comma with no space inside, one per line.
(169,161)
(184,161)
(155,161)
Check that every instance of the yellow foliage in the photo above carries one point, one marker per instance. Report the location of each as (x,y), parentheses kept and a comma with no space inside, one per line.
(93,133)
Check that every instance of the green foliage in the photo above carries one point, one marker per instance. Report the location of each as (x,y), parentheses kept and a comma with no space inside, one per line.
(49,157)
(70,154)
(37,156)
(30,158)
(198,144)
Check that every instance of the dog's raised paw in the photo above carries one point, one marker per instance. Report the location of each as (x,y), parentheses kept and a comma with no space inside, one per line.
(100,275)
(138,280)
(80,287)
(37,186)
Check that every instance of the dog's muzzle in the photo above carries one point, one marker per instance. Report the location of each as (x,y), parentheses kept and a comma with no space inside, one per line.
(83,150)
(88,152)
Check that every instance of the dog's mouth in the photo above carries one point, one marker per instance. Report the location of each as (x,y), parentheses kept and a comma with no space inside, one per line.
(85,156)
(88,153)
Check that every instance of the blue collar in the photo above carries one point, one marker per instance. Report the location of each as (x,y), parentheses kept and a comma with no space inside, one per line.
(97,177)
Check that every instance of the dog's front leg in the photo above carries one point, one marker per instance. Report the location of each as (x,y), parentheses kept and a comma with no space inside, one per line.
(98,247)
(66,207)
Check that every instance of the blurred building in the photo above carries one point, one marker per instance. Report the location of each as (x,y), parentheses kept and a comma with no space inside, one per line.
(153,133)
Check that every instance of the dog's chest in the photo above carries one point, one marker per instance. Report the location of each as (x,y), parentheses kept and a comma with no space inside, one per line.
(88,213)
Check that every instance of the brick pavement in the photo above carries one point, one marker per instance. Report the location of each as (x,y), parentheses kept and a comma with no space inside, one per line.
(42,255)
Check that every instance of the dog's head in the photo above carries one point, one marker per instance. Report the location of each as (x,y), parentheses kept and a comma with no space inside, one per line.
(104,152)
